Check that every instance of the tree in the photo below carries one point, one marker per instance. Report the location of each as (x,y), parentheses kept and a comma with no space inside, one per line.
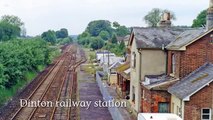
(200,21)
(62,33)
(154,16)
(13,20)
(104,35)
(95,27)
(96,43)
(116,24)
(49,36)
(122,31)
(114,39)
(122,45)
(8,31)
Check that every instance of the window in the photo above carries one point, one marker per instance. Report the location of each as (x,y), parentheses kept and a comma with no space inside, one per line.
(163,107)
(133,60)
(206,114)
(173,63)
(133,94)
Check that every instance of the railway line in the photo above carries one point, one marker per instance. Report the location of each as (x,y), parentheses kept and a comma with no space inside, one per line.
(59,84)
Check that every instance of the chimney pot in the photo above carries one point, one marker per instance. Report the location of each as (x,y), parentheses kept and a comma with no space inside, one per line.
(209,19)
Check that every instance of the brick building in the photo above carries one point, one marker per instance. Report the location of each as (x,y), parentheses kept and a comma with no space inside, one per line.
(192,97)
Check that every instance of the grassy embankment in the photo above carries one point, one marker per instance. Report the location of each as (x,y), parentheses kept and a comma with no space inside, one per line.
(6,94)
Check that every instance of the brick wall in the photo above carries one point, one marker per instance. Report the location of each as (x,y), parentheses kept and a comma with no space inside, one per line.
(159,96)
(195,56)
(202,99)
(146,101)
(149,104)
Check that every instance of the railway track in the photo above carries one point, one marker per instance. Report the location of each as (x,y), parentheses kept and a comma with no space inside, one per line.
(59,84)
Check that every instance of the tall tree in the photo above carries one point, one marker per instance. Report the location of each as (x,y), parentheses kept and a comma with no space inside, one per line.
(96,43)
(49,36)
(114,39)
(8,31)
(14,20)
(95,27)
(116,24)
(104,35)
(62,33)
(154,16)
(200,21)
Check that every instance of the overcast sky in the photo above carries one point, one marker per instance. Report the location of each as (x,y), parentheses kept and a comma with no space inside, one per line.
(41,15)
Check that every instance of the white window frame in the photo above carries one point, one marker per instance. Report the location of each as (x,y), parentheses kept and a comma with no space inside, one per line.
(210,114)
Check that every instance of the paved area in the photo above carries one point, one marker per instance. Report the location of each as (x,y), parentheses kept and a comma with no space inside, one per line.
(89,91)
(123,111)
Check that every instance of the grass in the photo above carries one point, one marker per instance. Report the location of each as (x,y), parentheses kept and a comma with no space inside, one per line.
(7,94)
(90,54)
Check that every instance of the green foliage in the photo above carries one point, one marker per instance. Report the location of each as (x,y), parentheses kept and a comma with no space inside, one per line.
(20,56)
(64,41)
(118,49)
(62,33)
(95,27)
(114,39)
(49,36)
(96,43)
(8,31)
(104,35)
(154,16)
(116,24)
(122,45)
(13,20)
(200,21)
(100,32)
(122,31)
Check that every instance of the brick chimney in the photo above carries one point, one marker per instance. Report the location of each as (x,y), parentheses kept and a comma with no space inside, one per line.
(209,22)
(165,20)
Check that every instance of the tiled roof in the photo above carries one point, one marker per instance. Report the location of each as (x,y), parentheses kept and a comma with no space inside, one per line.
(193,82)
(185,38)
(155,37)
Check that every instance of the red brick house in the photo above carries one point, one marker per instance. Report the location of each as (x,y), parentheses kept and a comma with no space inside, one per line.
(192,97)
(189,51)
(190,58)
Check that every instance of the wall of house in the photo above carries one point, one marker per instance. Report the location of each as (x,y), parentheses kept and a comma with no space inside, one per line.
(176,106)
(135,81)
(146,100)
(157,97)
(113,79)
(202,99)
(151,98)
(195,56)
(153,63)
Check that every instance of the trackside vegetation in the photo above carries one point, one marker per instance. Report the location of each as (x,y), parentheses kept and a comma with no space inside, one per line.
(20,61)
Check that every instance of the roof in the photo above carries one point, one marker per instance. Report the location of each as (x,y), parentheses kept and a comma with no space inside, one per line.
(185,38)
(115,65)
(193,82)
(155,37)
(123,67)
(159,82)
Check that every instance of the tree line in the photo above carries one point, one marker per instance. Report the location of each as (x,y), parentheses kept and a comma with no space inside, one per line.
(102,34)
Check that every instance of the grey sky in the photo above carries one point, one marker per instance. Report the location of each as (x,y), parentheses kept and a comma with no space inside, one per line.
(41,15)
